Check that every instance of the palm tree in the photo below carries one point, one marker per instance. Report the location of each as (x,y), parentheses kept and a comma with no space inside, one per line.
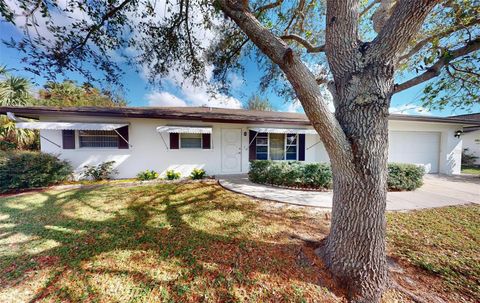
(14,91)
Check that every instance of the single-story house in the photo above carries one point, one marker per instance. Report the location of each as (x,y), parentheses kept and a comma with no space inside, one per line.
(221,141)
(471,135)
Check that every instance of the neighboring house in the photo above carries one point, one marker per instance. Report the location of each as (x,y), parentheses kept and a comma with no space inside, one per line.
(221,141)
(471,135)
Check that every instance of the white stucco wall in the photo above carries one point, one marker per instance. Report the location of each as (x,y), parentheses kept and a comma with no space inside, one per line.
(471,141)
(148,151)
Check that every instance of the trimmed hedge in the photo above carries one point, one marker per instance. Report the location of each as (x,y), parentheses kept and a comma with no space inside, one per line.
(403,176)
(291,173)
(20,170)
(319,175)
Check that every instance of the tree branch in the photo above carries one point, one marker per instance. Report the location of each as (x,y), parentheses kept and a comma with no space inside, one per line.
(436,68)
(443,34)
(298,11)
(471,72)
(268,6)
(402,26)
(341,37)
(369,7)
(301,78)
(308,46)
(92,29)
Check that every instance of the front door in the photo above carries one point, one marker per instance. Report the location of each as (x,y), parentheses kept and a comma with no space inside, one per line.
(231,150)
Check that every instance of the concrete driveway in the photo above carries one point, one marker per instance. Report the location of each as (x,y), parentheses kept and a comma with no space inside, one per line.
(437,191)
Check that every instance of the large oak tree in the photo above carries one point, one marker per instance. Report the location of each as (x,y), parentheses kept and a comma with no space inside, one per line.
(355,49)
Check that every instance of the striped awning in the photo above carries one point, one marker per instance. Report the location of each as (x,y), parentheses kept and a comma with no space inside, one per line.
(284,130)
(69,125)
(184,129)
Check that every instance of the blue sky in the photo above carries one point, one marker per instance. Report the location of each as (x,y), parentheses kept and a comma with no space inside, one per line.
(139,93)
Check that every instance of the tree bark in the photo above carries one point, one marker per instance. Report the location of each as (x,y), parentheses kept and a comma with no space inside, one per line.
(356,138)
(355,248)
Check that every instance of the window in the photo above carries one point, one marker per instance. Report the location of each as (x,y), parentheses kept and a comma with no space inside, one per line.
(291,147)
(190,140)
(98,139)
(276,146)
(262,146)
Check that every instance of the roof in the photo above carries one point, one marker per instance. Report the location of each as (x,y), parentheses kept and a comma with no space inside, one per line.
(474,117)
(207,114)
(471,117)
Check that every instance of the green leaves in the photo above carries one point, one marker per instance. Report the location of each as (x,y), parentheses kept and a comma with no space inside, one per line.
(19,170)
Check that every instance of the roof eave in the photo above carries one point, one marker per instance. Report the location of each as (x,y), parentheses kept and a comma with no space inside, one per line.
(205,116)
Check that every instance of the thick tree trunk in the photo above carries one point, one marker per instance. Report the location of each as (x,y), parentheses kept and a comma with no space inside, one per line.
(356,139)
(355,249)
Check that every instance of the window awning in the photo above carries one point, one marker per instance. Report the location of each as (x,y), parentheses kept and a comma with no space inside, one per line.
(69,125)
(184,130)
(284,130)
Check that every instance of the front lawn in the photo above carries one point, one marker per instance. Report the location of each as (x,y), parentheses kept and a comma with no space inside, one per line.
(163,243)
(473,170)
(444,242)
(196,242)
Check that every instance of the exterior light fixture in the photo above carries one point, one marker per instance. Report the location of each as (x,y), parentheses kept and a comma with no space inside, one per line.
(458,133)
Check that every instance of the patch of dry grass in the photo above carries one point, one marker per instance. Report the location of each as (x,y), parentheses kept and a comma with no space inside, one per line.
(183,242)
(162,243)
(444,242)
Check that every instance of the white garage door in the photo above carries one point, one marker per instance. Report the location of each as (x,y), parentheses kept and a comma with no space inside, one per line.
(415,147)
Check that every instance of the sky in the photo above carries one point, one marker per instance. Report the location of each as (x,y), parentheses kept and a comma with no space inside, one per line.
(139,93)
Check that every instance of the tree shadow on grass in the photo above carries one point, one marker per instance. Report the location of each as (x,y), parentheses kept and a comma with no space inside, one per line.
(207,235)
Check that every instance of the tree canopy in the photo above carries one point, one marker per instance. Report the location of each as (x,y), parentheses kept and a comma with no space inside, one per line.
(259,103)
(188,37)
(68,93)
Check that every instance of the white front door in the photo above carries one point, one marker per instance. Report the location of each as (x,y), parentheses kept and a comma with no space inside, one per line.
(231,150)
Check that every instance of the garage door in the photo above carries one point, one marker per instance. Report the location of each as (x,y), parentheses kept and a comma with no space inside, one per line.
(415,147)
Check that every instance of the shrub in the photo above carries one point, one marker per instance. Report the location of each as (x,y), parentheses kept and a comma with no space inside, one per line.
(173,175)
(292,173)
(468,159)
(20,170)
(197,173)
(259,171)
(102,171)
(404,176)
(147,175)
(319,175)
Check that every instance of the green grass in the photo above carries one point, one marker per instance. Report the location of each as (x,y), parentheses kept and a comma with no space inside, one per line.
(196,242)
(161,243)
(473,170)
(444,242)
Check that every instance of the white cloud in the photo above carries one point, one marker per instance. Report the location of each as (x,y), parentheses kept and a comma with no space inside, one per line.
(294,107)
(64,16)
(409,109)
(236,81)
(198,94)
(164,99)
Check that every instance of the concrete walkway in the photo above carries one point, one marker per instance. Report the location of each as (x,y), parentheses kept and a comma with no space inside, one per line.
(437,191)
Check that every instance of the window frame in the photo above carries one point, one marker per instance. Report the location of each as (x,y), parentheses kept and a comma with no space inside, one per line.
(297,144)
(79,141)
(187,148)
(296,147)
(267,145)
